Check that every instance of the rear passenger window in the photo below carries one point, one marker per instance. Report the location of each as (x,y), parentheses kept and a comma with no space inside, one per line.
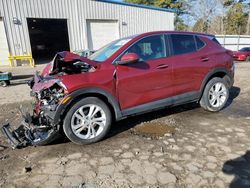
(200,44)
(183,44)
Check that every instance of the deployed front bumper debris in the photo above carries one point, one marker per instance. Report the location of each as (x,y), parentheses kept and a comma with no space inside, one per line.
(29,133)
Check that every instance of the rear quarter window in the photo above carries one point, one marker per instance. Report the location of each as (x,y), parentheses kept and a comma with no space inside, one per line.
(216,41)
(183,44)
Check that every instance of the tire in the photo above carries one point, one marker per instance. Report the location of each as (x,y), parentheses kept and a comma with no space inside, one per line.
(83,126)
(215,95)
(5,83)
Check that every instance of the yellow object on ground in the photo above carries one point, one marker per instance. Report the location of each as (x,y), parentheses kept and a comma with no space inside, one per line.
(21,57)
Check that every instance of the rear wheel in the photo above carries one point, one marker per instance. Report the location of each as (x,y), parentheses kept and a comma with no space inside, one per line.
(5,83)
(88,121)
(215,95)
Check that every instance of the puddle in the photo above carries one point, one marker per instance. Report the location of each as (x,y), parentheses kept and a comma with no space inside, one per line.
(153,129)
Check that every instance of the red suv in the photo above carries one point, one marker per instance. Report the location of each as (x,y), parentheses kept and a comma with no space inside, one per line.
(129,76)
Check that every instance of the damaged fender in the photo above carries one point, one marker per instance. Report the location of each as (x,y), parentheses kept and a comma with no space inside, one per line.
(48,90)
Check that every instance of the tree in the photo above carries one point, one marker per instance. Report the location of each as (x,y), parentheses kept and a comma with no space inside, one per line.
(173,4)
(142,2)
(216,26)
(203,12)
(180,25)
(200,26)
(236,19)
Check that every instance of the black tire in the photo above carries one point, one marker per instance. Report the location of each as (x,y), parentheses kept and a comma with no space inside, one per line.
(5,83)
(87,101)
(204,101)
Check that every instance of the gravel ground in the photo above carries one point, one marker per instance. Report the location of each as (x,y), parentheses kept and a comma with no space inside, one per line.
(18,91)
(199,149)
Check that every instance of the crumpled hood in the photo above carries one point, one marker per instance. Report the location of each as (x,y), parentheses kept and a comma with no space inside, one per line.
(66,57)
(39,83)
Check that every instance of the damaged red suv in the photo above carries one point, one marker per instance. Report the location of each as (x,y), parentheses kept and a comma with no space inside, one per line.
(129,76)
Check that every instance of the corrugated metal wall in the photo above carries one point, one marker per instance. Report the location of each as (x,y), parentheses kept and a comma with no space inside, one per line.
(76,12)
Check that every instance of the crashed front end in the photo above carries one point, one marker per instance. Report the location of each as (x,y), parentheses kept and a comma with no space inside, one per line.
(38,128)
(49,93)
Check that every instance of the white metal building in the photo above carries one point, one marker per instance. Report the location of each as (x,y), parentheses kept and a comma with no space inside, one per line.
(43,27)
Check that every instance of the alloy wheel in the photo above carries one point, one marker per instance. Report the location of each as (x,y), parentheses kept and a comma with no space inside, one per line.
(217,95)
(88,121)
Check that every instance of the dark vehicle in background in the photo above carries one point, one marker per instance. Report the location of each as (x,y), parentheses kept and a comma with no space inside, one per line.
(242,55)
(129,76)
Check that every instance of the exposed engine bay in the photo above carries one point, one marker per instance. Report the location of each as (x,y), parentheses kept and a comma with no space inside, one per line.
(48,92)
(69,63)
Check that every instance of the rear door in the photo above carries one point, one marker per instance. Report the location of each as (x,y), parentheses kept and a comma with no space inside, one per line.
(190,62)
(148,80)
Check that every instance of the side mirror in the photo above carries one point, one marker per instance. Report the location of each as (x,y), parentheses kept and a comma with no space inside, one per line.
(129,58)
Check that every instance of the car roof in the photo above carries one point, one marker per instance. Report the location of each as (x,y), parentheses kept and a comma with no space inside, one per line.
(176,32)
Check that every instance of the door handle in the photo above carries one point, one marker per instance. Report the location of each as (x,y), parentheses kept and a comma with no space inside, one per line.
(204,59)
(162,66)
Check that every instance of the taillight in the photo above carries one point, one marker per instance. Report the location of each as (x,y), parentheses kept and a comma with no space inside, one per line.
(229,52)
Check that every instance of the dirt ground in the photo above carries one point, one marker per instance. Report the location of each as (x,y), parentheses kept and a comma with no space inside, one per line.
(199,149)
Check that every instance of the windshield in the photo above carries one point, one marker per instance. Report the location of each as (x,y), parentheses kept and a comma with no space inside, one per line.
(245,50)
(107,51)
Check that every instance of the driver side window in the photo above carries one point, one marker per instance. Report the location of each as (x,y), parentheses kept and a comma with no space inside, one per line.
(149,48)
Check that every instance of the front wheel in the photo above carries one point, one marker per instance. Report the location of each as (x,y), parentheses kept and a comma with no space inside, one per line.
(88,121)
(215,95)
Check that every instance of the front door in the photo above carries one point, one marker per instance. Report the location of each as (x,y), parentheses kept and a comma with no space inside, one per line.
(149,79)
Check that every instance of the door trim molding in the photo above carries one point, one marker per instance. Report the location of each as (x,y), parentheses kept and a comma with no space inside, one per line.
(171,101)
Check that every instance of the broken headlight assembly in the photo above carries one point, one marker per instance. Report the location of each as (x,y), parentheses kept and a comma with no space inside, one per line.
(38,129)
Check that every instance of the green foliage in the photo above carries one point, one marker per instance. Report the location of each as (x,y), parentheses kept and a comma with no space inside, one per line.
(200,26)
(175,4)
(172,4)
(180,25)
(236,19)
(142,2)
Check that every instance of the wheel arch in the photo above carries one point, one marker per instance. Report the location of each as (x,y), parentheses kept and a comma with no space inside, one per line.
(219,72)
(103,95)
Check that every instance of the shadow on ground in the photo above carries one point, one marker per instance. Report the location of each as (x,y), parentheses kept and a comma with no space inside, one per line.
(234,93)
(128,123)
(240,168)
(131,122)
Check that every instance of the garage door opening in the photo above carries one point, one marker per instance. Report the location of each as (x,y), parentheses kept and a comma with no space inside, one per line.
(47,37)
(101,32)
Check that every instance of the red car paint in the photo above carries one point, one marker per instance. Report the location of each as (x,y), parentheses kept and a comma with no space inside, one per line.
(241,55)
(153,80)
